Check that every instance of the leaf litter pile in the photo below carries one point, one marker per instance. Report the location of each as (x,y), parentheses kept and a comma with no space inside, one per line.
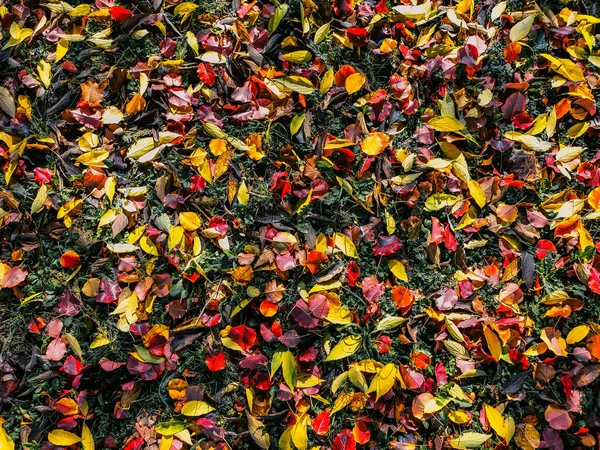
(299,225)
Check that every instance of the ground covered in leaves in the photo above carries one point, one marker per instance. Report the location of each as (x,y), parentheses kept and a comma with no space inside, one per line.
(309,224)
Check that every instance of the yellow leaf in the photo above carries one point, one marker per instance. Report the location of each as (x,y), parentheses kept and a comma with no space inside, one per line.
(578,334)
(184,9)
(61,49)
(565,67)
(445,124)
(551,123)
(297,57)
(390,222)
(383,381)
(297,122)
(477,193)
(136,234)
(585,238)
(356,378)
(440,201)
(567,154)
(87,439)
(93,158)
(299,436)
(595,60)
(459,417)
(343,243)
(327,81)
(494,344)
(355,82)
(175,237)
(375,143)
(44,71)
(192,42)
(7,102)
(242,194)
(63,438)
(40,199)
(305,203)
(527,437)
(17,35)
(148,246)
(307,381)
(465,7)
(322,32)
(521,29)
(289,369)
(6,441)
(196,408)
(258,432)
(80,10)
(342,401)
(189,221)
(108,217)
(99,341)
(578,130)
(504,427)
(165,443)
(346,347)
(135,105)
(326,286)
(398,269)
(109,188)
(469,440)
(539,125)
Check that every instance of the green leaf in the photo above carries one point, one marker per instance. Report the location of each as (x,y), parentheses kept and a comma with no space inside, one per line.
(297,122)
(7,103)
(290,371)
(276,18)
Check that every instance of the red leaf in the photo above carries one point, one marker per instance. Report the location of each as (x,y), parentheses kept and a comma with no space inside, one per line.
(320,424)
(387,245)
(207,74)
(70,260)
(372,288)
(318,305)
(522,121)
(358,36)
(344,441)
(216,363)
(403,298)
(120,13)
(514,105)
(314,260)
(42,176)
(302,315)
(243,336)
(352,273)
(361,433)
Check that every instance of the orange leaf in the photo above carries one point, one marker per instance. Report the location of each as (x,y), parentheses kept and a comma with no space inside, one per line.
(375,143)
